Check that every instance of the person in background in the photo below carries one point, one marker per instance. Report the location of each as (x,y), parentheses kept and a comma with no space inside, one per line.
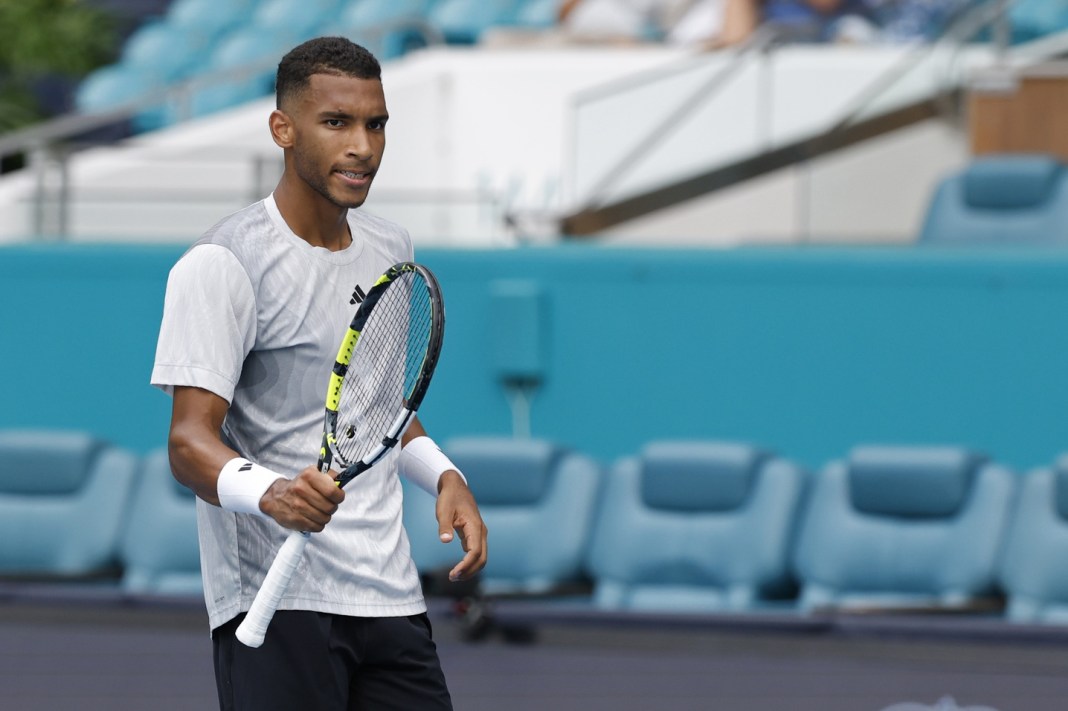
(715,24)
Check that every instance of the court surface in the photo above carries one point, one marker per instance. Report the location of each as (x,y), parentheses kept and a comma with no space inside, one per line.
(58,654)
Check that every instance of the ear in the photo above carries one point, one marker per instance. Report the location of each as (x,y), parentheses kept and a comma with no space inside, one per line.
(281,129)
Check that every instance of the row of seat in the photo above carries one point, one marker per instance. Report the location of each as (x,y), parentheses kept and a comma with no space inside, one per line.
(245,39)
(694,526)
(76,508)
(729,527)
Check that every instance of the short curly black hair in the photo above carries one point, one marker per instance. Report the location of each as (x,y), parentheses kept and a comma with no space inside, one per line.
(322,55)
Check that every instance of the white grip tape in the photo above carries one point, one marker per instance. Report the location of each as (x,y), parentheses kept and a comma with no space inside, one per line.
(242,484)
(253,628)
(422,462)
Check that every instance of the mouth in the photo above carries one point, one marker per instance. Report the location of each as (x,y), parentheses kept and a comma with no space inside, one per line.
(356,178)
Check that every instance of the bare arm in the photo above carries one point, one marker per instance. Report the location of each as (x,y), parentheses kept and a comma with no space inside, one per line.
(740,19)
(566,7)
(197,454)
(456,510)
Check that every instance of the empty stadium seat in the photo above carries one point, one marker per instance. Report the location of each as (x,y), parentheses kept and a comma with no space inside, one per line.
(252,55)
(538,14)
(691,526)
(904,527)
(388,28)
(1033,571)
(159,549)
(301,17)
(537,499)
(63,499)
(117,85)
(1001,200)
(213,17)
(464,21)
(1032,19)
(171,53)
(378,12)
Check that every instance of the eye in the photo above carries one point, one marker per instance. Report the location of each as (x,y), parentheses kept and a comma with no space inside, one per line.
(335,123)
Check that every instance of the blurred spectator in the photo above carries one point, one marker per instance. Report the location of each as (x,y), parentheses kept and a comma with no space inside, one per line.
(902,21)
(852,21)
(713,24)
(863,21)
(615,20)
(706,23)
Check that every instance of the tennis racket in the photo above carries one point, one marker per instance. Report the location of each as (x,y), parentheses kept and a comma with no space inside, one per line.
(381,374)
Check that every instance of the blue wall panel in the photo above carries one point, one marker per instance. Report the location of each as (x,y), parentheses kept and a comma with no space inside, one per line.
(807,350)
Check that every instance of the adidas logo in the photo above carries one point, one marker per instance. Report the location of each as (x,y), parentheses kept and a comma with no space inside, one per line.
(357,295)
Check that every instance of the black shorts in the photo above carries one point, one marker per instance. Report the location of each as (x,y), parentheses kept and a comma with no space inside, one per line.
(319,662)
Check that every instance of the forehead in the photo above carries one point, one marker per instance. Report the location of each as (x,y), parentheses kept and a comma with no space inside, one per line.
(343,94)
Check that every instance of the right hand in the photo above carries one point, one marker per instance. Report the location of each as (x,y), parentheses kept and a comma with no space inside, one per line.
(304,503)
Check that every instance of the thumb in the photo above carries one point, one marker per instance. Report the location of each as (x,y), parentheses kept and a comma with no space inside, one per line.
(444,530)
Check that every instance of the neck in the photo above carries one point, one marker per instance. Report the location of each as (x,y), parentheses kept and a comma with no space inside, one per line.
(314,219)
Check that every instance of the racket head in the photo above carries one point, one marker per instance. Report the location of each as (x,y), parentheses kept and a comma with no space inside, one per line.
(383,368)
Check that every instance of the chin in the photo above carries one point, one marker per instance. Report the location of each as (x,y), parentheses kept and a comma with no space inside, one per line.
(349,203)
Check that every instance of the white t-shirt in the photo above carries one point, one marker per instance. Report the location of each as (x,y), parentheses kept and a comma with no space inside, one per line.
(255,314)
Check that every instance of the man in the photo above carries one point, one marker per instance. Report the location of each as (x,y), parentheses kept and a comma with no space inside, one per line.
(253,316)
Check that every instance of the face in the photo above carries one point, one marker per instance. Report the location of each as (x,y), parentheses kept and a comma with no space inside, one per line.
(336,133)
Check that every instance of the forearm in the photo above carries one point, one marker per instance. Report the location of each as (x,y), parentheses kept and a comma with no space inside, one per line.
(196,461)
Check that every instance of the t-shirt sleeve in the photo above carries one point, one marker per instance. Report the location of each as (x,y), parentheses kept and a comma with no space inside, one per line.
(209,323)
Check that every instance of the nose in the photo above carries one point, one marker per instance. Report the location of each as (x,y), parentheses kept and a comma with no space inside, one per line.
(360,145)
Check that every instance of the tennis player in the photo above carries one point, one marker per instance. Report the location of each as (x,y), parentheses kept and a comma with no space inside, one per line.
(252,319)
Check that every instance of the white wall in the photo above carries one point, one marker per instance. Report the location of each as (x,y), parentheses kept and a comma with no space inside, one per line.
(876,192)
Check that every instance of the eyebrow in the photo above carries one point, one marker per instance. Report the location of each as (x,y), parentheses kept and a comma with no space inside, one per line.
(347,116)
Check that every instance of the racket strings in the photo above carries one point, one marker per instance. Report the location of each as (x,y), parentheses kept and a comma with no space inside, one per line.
(386,366)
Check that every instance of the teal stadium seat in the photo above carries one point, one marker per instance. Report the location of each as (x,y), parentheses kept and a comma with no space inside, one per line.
(171,53)
(64,496)
(538,14)
(696,526)
(365,13)
(299,17)
(388,28)
(1004,199)
(212,17)
(159,549)
(464,21)
(1033,572)
(117,85)
(537,499)
(904,527)
(251,48)
(1033,19)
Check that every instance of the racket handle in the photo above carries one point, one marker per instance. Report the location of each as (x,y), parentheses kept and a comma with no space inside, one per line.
(253,628)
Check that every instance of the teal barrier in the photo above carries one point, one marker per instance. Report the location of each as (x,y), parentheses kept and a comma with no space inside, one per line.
(807,350)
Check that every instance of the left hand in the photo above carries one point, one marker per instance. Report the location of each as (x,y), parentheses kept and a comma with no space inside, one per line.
(456,510)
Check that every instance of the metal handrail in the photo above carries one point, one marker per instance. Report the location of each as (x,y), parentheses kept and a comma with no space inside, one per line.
(759,42)
(594,214)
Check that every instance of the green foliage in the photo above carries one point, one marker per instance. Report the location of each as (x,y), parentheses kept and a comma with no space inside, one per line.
(39,38)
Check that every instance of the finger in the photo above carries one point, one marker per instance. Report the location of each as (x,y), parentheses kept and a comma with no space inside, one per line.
(473,540)
(464,568)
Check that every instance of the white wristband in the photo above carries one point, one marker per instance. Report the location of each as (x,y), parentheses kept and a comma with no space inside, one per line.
(422,462)
(242,484)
